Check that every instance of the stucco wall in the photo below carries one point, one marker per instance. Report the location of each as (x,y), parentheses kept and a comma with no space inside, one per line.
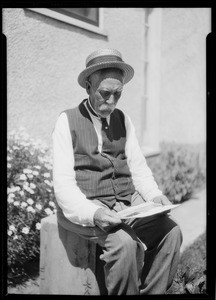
(45,56)
(183,74)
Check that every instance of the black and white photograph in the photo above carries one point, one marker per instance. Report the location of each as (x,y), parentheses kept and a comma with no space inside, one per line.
(106,150)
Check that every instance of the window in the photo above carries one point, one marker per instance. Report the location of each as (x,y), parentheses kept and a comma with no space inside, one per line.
(88,18)
(85,14)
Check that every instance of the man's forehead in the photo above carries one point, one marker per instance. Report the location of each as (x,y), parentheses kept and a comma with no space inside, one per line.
(109,73)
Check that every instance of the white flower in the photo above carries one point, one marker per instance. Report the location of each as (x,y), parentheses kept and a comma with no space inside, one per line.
(21,193)
(30,176)
(9,166)
(32,185)
(13,189)
(47,175)
(23,204)
(27,171)
(23,177)
(16,203)
(26,187)
(54,210)
(38,206)
(30,209)
(48,166)
(30,191)
(15,148)
(48,182)
(38,226)
(25,230)
(11,195)
(30,201)
(15,237)
(37,167)
(48,211)
(10,200)
(12,228)
(51,203)
(35,173)
(9,158)
(9,232)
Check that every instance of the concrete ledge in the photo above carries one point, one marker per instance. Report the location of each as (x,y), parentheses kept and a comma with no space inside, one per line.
(67,262)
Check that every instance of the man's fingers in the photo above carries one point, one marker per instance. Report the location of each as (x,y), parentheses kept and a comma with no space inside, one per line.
(161,200)
(113,217)
(106,219)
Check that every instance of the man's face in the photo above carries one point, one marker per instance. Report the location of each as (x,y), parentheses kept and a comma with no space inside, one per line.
(105,91)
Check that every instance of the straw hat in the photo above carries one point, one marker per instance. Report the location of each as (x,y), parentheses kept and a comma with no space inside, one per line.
(105,58)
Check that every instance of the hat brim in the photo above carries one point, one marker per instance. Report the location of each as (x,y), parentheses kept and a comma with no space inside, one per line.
(127,69)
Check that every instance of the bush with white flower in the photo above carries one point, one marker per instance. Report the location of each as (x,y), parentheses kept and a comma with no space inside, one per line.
(30,197)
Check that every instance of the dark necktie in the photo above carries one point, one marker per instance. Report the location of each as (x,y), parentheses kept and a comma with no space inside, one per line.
(106,136)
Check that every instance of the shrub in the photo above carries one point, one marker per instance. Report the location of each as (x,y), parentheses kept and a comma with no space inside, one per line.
(30,198)
(191,274)
(177,171)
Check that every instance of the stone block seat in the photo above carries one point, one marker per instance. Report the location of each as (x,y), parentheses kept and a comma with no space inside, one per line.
(69,264)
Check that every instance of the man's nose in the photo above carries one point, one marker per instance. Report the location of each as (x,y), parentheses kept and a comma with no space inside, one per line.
(111,99)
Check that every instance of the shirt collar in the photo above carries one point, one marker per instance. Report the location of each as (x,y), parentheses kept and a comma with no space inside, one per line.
(92,111)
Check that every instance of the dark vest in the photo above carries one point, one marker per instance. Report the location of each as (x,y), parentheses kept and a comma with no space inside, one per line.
(104,176)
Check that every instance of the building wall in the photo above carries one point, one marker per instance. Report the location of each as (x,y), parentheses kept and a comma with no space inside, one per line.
(183,74)
(45,56)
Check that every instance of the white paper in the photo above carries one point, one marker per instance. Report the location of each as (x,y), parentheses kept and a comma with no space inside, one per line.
(145,209)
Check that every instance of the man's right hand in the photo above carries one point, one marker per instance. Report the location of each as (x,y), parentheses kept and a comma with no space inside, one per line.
(106,219)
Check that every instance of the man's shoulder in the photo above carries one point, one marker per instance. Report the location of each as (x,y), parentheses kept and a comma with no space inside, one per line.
(118,113)
(73,110)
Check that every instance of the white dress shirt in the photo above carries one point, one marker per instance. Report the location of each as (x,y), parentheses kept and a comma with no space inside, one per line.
(74,204)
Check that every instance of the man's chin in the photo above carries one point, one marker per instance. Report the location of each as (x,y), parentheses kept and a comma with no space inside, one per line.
(105,113)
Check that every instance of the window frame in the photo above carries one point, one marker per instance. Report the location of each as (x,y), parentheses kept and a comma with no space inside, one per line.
(72,20)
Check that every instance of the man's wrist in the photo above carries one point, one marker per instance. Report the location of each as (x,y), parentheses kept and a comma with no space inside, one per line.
(97,215)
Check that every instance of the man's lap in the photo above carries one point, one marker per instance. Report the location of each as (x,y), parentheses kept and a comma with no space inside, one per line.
(150,230)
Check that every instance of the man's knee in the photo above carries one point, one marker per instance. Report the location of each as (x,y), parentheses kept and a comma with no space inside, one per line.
(124,244)
(175,236)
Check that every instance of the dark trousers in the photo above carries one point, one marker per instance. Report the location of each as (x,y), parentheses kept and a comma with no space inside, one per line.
(130,268)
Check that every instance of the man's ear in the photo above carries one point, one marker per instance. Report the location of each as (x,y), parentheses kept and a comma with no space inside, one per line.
(88,86)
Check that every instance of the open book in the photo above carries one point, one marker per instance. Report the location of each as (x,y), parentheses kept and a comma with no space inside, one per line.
(145,209)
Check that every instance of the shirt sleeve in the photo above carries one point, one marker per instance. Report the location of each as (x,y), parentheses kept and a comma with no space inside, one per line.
(142,176)
(74,204)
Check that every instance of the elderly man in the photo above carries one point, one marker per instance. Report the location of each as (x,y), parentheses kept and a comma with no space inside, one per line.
(100,170)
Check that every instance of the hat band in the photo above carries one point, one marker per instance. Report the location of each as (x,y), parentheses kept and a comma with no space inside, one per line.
(103,58)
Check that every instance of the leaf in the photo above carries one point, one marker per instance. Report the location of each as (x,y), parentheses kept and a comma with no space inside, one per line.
(196,290)
(189,288)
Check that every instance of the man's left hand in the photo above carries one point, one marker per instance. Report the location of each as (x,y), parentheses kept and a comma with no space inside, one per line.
(163,200)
